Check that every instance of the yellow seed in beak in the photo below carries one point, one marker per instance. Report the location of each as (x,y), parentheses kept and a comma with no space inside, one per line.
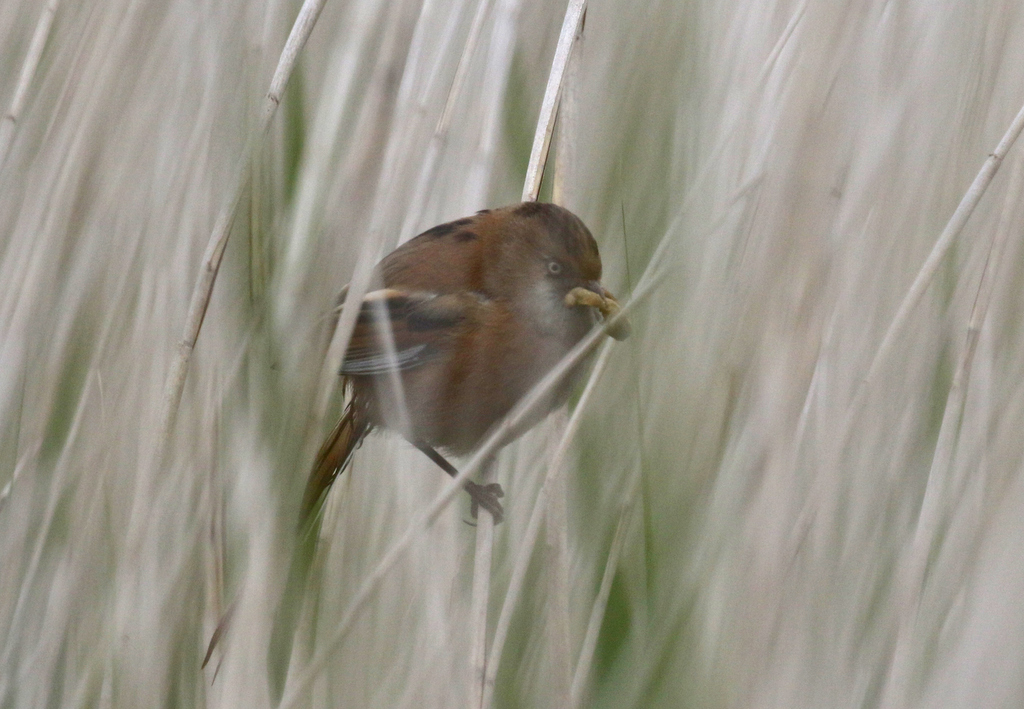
(618,326)
(581,296)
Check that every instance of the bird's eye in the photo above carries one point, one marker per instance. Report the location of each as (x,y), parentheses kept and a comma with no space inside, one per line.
(554,268)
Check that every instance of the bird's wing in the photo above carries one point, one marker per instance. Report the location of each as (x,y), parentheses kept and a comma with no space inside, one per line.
(399,329)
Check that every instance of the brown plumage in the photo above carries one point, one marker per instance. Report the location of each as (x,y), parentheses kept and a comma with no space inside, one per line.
(463,320)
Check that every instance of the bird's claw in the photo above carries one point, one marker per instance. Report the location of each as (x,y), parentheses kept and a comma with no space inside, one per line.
(486,496)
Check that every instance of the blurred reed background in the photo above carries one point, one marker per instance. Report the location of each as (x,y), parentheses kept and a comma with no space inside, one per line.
(785,541)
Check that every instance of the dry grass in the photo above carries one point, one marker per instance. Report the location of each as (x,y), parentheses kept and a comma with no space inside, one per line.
(771,176)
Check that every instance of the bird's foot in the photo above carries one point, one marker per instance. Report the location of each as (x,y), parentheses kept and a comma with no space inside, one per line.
(486,496)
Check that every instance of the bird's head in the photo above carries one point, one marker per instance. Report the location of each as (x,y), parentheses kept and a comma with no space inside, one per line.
(549,263)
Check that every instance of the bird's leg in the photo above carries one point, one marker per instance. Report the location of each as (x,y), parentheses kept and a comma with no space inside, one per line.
(485,496)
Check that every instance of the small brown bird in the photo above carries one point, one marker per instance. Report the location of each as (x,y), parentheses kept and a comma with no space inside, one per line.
(465,319)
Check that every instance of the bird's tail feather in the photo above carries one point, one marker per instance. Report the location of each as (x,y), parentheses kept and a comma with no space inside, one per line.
(334,455)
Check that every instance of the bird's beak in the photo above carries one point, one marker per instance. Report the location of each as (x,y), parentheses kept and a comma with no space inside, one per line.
(594,295)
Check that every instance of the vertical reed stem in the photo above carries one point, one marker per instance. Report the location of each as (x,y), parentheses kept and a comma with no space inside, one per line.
(548,107)
(939,497)
(28,72)
(478,611)
(214,253)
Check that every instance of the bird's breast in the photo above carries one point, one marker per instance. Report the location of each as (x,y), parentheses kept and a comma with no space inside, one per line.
(452,401)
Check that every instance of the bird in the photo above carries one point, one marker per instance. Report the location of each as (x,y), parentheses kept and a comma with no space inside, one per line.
(459,324)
